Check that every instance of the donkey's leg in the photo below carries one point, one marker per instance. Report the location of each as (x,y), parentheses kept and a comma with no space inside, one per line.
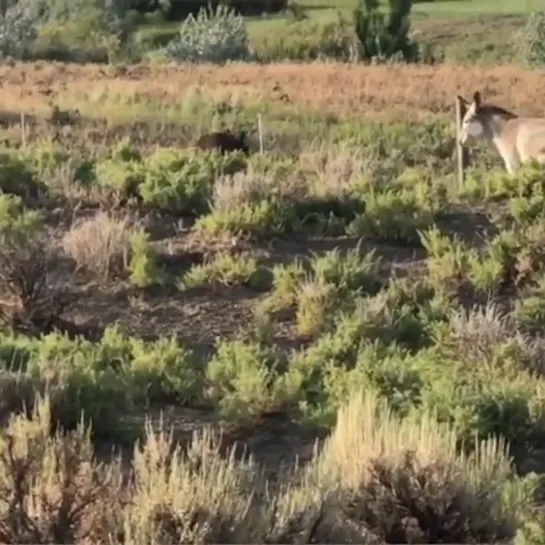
(511,158)
(541,158)
(511,165)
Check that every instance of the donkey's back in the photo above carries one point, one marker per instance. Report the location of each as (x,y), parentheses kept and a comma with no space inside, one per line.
(529,137)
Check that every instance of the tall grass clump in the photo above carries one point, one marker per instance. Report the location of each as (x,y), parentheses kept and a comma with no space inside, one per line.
(27,259)
(191,495)
(403,480)
(378,477)
(52,490)
(99,244)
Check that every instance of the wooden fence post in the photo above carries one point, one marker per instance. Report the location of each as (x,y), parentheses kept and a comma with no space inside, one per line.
(461,151)
(260,129)
(23,130)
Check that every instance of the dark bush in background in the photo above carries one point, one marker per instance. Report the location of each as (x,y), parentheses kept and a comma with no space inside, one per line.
(177,10)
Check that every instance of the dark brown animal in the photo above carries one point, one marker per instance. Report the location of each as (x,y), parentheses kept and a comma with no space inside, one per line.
(223,141)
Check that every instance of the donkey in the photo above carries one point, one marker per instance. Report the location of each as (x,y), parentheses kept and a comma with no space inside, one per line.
(223,141)
(518,140)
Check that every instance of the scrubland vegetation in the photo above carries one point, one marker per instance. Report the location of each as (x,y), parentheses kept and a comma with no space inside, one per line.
(332,341)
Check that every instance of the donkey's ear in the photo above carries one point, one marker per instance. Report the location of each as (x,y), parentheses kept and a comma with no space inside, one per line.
(477,98)
(462,99)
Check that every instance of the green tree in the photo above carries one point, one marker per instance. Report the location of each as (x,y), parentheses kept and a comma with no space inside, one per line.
(385,37)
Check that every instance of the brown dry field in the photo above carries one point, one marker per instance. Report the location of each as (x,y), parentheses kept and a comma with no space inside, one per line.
(345,91)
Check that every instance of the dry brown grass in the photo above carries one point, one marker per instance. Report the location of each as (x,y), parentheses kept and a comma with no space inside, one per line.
(404,480)
(99,244)
(29,296)
(375,476)
(384,92)
(234,191)
(335,167)
(51,487)
(191,495)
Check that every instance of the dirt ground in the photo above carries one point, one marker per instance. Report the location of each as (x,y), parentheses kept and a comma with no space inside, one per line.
(198,318)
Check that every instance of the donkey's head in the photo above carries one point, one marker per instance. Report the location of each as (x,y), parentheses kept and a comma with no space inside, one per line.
(480,119)
(473,123)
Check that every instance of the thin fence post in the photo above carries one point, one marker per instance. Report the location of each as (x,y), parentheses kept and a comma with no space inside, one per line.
(461,151)
(260,129)
(23,130)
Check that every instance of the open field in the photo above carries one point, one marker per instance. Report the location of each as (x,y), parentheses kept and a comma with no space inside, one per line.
(318,94)
(451,10)
(465,31)
(259,294)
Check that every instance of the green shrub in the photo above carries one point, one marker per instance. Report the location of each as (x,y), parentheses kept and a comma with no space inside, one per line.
(350,271)
(18,225)
(451,263)
(182,182)
(121,176)
(80,386)
(307,41)
(47,158)
(529,308)
(529,39)
(316,301)
(315,288)
(18,30)
(447,261)
(170,179)
(227,270)
(82,40)
(164,371)
(383,38)
(391,372)
(394,215)
(15,352)
(286,280)
(143,266)
(18,178)
(101,379)
(486,271)
(243,380)
(213,36)
(397,320)
(81,31)
(112,12)
(528,246)
(80,392)
(268,217)
(491,403)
